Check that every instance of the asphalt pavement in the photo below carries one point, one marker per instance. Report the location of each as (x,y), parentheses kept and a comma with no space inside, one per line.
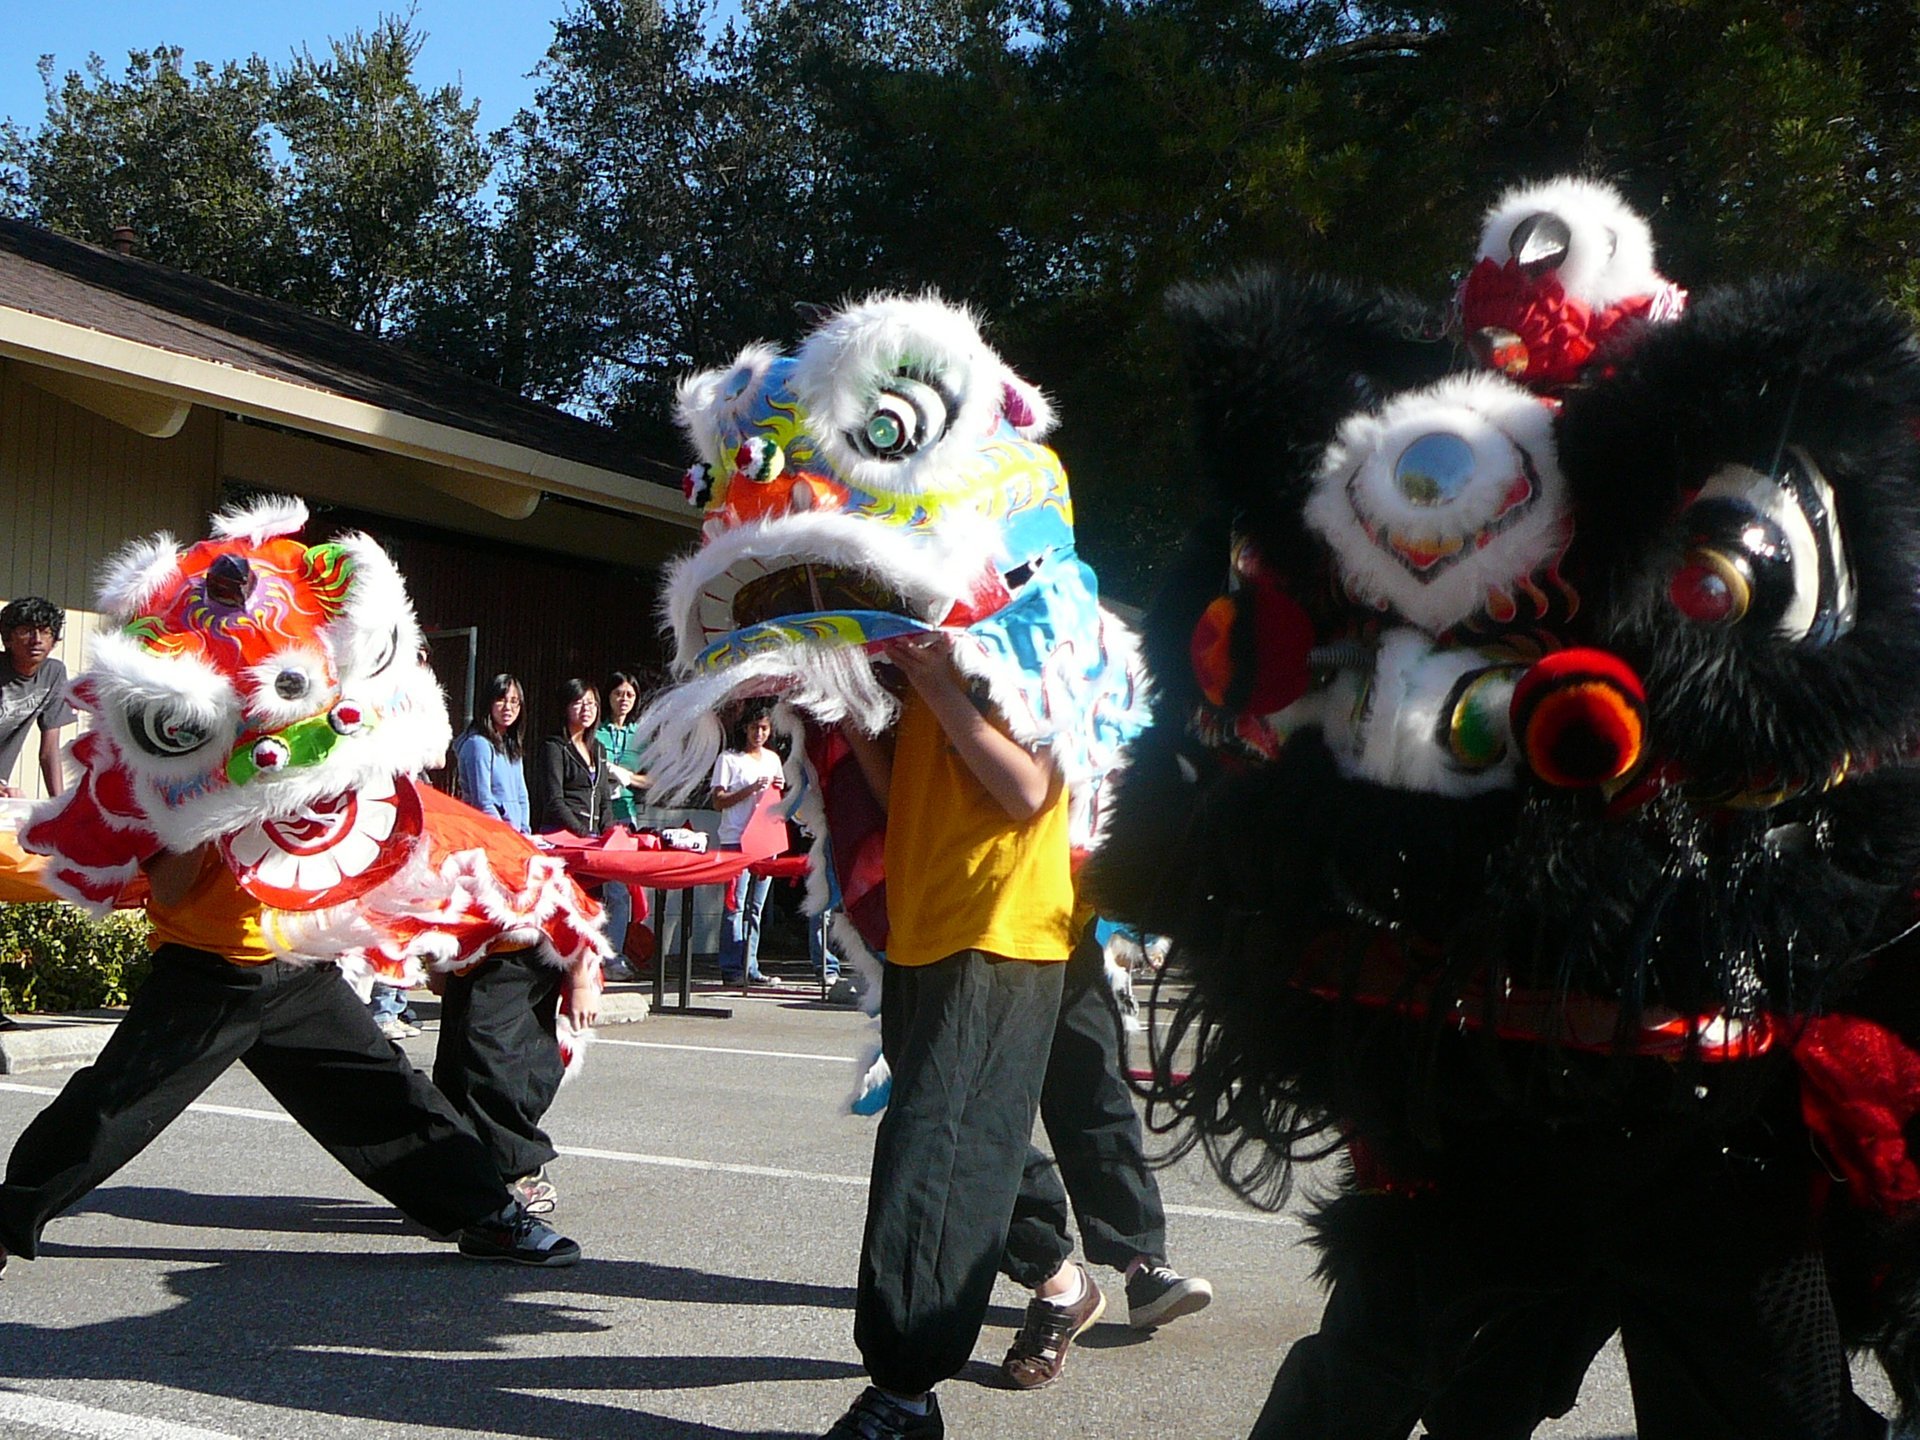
(234,1281)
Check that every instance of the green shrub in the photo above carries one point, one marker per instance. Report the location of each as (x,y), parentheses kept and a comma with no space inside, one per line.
(57,957)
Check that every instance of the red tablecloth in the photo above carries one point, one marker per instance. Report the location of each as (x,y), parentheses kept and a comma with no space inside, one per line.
(617,856)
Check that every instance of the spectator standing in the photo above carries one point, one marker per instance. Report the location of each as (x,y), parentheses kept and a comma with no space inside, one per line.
(577,791)
(487,756)
(577,787)
(980,916)
(740,777)
(33,687)
(623,757)
(616,737)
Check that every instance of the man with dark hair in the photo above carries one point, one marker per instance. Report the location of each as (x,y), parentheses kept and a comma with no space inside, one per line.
(33,686)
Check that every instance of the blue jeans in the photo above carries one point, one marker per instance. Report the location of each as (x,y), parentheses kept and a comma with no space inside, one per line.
(388,1000)
(740,929)
(826,964)
(618,901)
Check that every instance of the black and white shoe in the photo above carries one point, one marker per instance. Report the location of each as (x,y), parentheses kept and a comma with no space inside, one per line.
(1158,1293)
(876,1415)
(515,1235)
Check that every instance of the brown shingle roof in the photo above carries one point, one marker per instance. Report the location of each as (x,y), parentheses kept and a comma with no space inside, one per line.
(61,279)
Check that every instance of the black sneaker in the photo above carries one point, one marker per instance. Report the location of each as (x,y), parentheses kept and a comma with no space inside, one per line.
(515,1235)
(876,1415)
(1157,1293)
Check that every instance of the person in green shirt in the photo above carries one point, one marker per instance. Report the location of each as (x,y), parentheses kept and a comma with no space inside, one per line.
(623,758)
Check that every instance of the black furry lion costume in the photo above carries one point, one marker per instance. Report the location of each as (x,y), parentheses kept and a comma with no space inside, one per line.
(1530,802)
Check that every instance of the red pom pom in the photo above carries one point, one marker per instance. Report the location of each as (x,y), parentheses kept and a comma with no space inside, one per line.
(1580,717)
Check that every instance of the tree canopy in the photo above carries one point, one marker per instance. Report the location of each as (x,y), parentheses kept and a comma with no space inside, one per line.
(680,187)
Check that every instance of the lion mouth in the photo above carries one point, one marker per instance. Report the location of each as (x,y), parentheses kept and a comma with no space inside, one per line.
(332,849)
(811,587)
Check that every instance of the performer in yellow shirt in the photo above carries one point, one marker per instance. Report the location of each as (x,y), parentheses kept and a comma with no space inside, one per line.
(980,922)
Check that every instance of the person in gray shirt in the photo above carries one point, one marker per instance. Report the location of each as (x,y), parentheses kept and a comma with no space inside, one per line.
(33,686)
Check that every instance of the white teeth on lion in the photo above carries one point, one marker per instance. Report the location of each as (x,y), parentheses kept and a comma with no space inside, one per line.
(250,846)
(280,869)
(355,853)
(318,872)
(377,817)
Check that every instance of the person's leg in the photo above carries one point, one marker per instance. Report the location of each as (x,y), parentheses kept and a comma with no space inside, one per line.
(1355,1377)
(967,1040)
(194,1016)
(619,905)
(753,903)
(826,964)
(1038,1240)
(733,934)
(320,1055)
(1092,1125)
(497,1060)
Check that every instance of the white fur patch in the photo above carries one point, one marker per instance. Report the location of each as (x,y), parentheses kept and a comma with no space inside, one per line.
(1389,725)
(135,573)
(711,403)
(843,366)
(1431,551)
(1610,255)
(260,520)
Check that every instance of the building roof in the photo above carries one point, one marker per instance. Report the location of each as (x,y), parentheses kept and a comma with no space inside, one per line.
(160,309)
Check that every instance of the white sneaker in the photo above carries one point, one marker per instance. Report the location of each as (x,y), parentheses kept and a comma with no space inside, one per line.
(394,1028)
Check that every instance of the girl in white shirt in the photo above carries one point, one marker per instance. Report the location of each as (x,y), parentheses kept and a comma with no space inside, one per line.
(740,777)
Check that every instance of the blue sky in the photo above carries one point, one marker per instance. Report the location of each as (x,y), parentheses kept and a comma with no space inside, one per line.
(488,46)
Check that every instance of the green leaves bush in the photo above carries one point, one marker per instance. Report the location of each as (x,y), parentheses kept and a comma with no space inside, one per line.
(57,957)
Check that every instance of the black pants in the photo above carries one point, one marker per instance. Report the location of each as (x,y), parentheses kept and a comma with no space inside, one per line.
(966,1038)
(1091,1123)
(498,1062)
(306,1037)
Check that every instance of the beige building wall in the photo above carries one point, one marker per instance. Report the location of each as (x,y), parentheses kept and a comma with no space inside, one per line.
(74,488)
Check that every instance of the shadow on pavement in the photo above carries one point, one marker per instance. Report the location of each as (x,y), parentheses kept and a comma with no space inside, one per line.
(425,1339)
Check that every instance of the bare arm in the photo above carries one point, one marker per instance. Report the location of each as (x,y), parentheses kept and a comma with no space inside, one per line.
(1018,779)
(50,761)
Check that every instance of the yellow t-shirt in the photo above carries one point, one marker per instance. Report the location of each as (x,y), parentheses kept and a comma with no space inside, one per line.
(215,915)
(961,874)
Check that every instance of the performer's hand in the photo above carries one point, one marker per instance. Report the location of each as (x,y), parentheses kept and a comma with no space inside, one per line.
(437,982)
(927,660)
(582,1000)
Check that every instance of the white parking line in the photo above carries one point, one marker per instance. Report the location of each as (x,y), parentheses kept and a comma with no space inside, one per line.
(716,1167)
(725,1050)
(65,1418)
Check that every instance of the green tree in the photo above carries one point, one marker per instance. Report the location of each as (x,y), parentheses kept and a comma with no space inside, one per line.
(178,153)
(333,182)
(382,178)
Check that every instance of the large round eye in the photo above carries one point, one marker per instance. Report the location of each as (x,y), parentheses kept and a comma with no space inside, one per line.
(906,416)
(165,731)
(1540,242)
(1434,469)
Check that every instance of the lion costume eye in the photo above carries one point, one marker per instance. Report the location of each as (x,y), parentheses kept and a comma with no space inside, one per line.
(166,730)
(906,417)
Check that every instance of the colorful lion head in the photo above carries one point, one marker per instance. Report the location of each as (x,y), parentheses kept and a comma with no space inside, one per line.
(271,697)
(883,480)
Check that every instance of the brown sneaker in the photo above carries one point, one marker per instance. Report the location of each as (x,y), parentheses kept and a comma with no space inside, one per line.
(1039,1351)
